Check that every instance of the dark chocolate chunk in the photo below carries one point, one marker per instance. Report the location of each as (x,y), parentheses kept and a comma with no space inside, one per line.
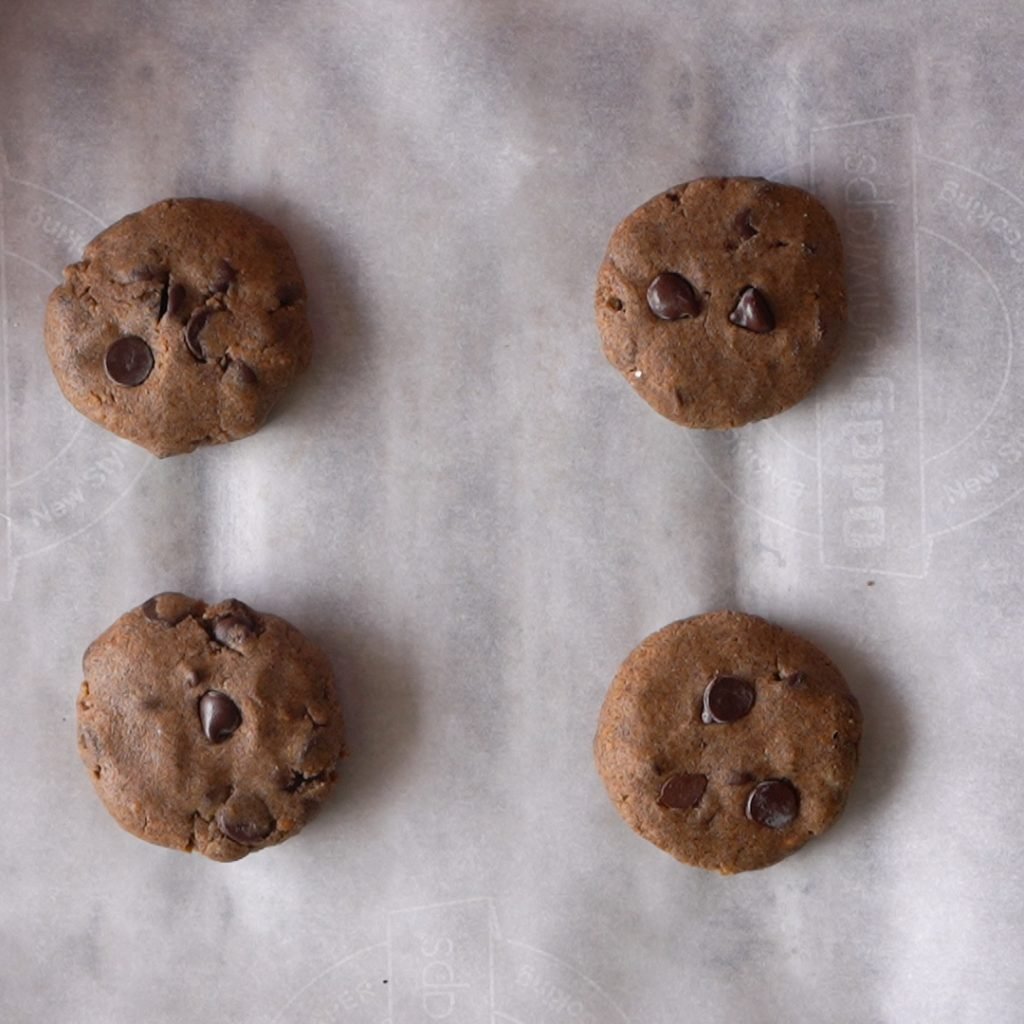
(128,361)
(727,699)
(752,312)
(774,803)
(219,715)
(671,297)
(682,792)
(193,329)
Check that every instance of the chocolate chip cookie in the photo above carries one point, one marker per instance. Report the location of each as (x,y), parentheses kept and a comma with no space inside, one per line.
(181,325)
(722,301)
(728,742)
(212,728)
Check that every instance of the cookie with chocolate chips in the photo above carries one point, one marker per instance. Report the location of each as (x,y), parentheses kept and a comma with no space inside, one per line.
(721,301)
(180,326)
(728,741)
(212,728)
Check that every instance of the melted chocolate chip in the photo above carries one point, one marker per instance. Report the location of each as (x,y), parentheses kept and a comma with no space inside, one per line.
(681,792)
(773,803)
(193,329)
(727,699)
(671,297)
(175,300)
(129,361)
(752,312)
(219,716)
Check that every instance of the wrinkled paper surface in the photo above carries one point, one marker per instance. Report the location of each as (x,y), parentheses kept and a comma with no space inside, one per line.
(473,514)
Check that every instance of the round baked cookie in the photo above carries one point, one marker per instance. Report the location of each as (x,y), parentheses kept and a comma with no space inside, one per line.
(180,326)
(722,300)
(728,742)
(213,728)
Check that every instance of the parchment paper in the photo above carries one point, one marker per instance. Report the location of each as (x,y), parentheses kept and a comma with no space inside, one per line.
(465,505)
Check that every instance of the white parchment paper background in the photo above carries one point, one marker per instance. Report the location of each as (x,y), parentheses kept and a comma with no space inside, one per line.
(476,518)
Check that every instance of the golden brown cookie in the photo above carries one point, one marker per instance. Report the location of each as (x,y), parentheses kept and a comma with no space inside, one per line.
(722,301)
(728,742)
(180,326)
(212,728)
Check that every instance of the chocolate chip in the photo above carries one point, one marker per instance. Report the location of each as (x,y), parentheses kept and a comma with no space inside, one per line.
(671,297)
(727,699)
(289,294)
(245,819)
(774,803)
(190,677)
(244,373)
(175,300)
(194,327)
(752,312)
(248,833)
(233,629)
(219,715)
(169,608)
(224,277)
(128,361)
(744,228)
(163,302)
(682,792)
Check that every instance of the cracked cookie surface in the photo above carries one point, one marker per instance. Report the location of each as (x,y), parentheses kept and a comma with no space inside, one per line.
(180,326)
(212,728)
(721,301)
(727,741)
